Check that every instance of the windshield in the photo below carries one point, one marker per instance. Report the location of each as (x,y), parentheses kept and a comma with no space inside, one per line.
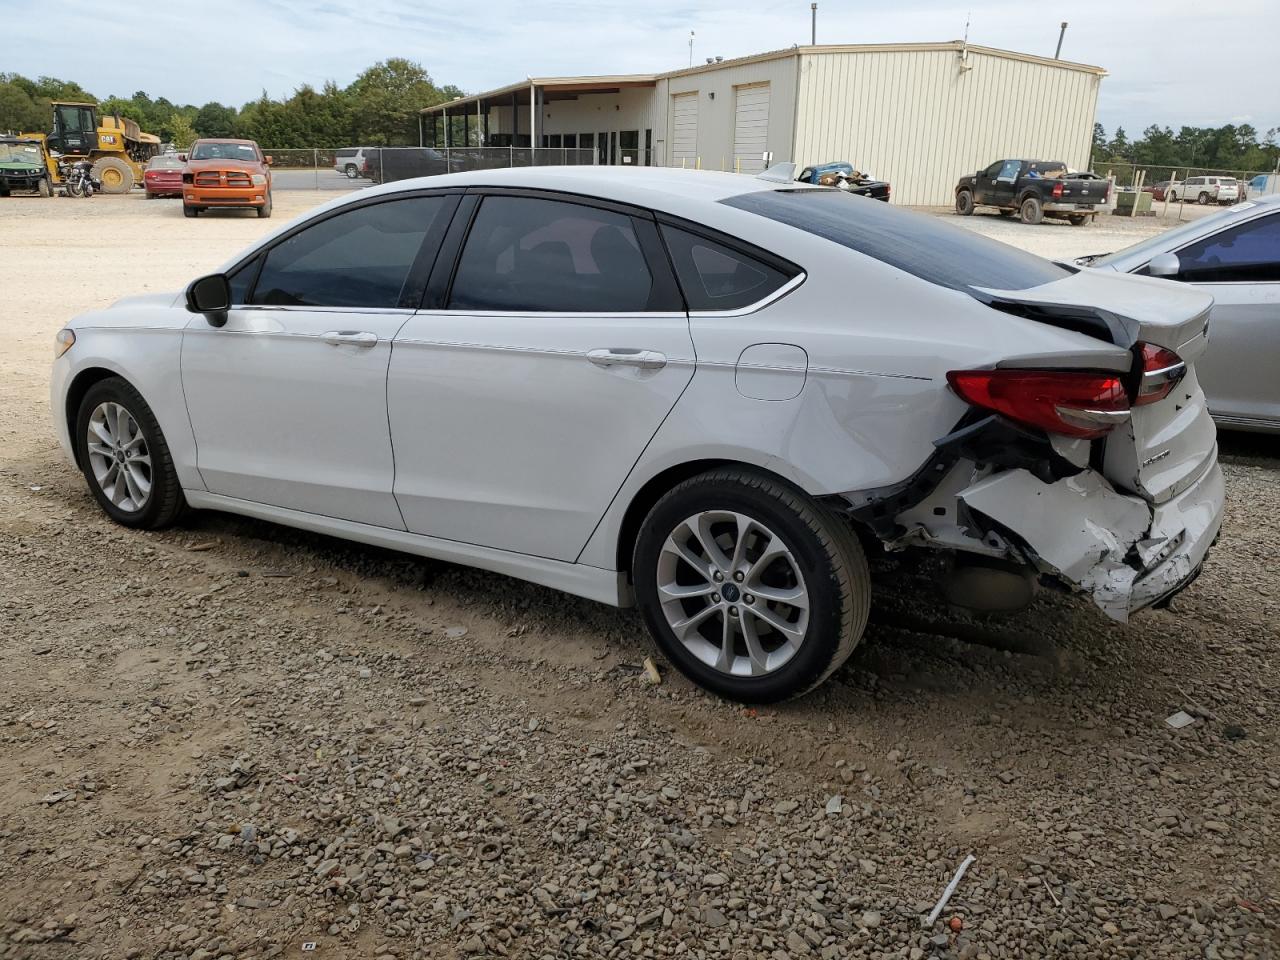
(916,243)
(244,152)
(1171,239)
(21,153)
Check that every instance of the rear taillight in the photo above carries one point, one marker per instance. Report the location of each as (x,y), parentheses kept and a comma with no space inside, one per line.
(1161,371)
(1066,402)
(1057,189)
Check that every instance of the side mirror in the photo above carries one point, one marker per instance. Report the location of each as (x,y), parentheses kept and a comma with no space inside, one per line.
(1164,265)
(211,296)
(182,157)
(268,160)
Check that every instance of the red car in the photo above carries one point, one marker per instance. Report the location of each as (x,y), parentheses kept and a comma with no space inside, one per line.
(163,176)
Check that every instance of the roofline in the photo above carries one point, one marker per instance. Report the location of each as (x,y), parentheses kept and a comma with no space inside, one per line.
(610,80)
(955,46)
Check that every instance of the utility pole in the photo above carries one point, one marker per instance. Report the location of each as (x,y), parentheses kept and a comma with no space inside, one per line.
(813,24)
(1057,54)
(691,48)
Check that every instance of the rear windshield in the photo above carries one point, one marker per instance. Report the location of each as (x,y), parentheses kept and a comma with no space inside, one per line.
(916,243)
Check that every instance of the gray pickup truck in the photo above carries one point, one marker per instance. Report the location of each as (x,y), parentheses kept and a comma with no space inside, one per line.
(1033,189)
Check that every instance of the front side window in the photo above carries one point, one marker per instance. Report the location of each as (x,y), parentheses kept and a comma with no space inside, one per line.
(530,254)
(1246,252)
(716,277)
(360,258)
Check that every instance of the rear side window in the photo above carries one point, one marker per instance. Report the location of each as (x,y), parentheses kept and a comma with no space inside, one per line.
(716,277)
(549,256)
(360,258)
(915,243)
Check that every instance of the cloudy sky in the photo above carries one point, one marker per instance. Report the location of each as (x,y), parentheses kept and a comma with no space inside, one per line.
(1172,62)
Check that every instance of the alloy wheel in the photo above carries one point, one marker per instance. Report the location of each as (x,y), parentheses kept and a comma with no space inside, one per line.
(119,457)
(732,593)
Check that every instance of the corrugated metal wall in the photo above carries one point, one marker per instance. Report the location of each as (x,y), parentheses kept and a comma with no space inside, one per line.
(716,117)
(916,119)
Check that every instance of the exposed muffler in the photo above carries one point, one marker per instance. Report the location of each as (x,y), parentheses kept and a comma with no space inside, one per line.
(987,585)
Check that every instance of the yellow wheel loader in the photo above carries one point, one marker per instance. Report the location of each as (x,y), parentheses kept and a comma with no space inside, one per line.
(118,148)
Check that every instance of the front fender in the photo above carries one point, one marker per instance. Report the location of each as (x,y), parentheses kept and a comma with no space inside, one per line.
(150,358)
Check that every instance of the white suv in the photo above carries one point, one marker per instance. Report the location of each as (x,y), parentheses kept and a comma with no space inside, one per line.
(349,161)
(1203,190)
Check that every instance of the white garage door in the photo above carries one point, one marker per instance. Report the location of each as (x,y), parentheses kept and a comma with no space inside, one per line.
(684,129)
(751,127)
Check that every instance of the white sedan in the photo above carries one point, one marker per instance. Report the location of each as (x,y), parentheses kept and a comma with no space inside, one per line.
(706,394)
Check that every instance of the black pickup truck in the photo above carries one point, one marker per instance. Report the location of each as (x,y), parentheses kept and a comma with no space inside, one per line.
(1033,189)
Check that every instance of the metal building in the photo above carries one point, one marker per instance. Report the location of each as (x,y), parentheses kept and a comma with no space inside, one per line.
(918,114)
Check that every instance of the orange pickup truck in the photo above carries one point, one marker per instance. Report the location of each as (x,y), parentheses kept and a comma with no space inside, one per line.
(226,173)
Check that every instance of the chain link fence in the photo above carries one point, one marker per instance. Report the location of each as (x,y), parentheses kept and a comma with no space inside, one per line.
(1128,174)
(350,168)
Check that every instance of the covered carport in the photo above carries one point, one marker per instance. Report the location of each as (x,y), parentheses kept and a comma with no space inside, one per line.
(601,119)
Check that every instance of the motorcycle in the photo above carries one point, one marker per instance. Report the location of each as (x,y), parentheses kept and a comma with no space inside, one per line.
(77,178)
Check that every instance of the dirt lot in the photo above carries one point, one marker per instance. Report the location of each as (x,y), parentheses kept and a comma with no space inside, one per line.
(232,739)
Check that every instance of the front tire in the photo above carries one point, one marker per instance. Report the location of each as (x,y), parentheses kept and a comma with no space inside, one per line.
(264,211)
(1203,199)
(1031,211)
(44,189)
(749,588)
(964,202)
(114,174)
(125,458)
(189,211)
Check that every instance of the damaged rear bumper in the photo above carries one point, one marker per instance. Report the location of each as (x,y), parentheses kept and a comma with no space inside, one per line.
(1123,551)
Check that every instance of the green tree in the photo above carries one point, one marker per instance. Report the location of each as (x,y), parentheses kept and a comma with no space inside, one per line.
(181,133)
(386,100)
(20,112)
(215,120)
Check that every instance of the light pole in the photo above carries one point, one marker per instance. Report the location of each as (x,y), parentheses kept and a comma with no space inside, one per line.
(691,48)
(1061,33)
(813,24)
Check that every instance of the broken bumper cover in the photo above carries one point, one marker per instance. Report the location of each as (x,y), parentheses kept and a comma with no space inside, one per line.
(1127,553)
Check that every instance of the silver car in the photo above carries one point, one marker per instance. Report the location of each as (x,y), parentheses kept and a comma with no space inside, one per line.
(1235,256)
(705,394)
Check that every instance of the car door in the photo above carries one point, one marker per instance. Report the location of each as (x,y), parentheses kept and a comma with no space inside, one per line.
(523,393)
(288,399)
(1240,267)
(985,185)
(1005,183)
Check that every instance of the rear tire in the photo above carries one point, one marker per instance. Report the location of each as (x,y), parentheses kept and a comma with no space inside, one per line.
(806,558)
(964,202)
(351,171)
(128,467)
(1031,211)
(114,174)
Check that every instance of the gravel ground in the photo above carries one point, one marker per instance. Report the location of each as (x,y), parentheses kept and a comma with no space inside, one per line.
(232,739)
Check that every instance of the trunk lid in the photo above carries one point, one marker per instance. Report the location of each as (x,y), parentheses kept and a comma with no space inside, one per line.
(1164,447)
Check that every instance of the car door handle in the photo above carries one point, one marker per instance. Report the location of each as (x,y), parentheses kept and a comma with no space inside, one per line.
(627,357)
(355,338)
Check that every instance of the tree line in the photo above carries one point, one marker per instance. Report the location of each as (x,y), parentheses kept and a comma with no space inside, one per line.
(1236,148)
(379,108)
